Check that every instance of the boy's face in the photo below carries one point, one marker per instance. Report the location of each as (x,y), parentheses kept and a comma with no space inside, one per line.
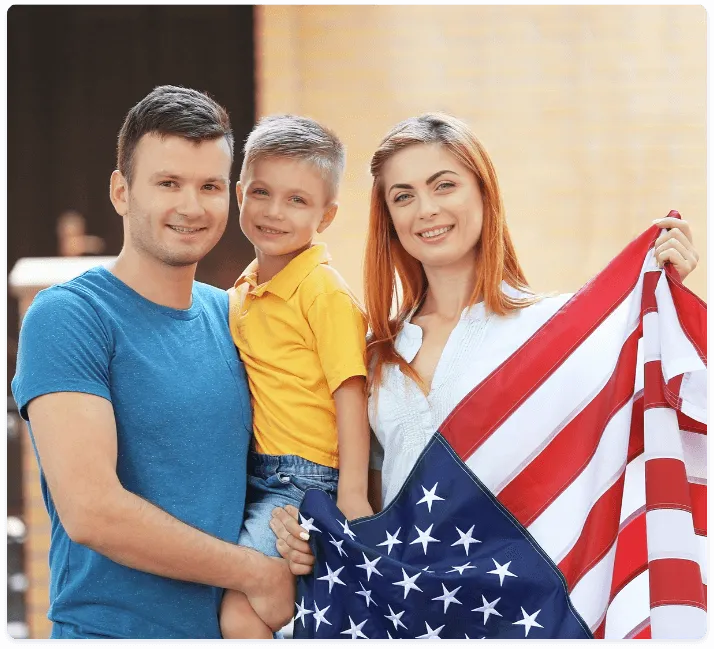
(283,204)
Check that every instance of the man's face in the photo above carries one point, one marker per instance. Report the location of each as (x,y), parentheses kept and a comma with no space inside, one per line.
(176,208)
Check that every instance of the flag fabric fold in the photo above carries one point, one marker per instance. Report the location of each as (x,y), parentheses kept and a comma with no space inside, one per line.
(565,495)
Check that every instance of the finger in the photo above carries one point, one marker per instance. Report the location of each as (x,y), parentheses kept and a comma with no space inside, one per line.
(675,233)
(292,510)
(283,548)
(681,224)
(289,522)
(295,567)
(681,265)
(687,254)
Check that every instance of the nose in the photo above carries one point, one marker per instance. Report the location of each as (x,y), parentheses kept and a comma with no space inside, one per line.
(273,211)
(428,207)
(190,205)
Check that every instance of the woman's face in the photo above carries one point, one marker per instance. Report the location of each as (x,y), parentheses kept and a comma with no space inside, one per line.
(435,204)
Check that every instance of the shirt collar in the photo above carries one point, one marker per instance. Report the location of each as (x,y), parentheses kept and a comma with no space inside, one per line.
(286,282)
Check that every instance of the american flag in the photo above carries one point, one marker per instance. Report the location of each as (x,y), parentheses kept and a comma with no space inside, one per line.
(565,496)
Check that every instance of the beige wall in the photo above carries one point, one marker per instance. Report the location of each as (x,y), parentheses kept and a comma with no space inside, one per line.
(595,116)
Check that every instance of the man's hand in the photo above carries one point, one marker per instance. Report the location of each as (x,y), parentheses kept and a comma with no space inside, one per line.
(292,540)
(274,598)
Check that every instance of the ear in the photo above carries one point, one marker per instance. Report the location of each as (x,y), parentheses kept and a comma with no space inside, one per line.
(328,217)
(239,194)
(119,192)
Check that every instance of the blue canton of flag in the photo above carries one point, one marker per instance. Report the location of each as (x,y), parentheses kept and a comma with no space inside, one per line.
(443,560)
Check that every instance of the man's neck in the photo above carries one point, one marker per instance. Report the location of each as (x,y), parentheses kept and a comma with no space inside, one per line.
(160,283)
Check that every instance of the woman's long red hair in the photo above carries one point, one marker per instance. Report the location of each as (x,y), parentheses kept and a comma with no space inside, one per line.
(385,257)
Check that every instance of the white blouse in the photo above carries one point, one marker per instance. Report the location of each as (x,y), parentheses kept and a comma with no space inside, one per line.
(403,419)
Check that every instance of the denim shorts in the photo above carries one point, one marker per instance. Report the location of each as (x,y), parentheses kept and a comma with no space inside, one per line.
(276,481)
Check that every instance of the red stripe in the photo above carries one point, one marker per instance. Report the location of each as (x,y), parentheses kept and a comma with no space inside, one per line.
(666,485)
(691,425)
(691,311)
(645,634)
(570,451)
(490,403)
(636,444)
(649,284)
(698,496)
(676,581)
(631,553)
(654,386)
(599,633)
(597,536)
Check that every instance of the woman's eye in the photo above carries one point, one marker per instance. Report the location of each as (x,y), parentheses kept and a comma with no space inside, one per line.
(445,185)
(400,198)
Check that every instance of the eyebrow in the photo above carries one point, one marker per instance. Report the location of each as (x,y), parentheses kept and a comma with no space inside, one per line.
(172,176)
(429,180)
(296,190)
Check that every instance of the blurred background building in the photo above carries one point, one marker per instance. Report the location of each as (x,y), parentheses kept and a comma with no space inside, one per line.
(595,118)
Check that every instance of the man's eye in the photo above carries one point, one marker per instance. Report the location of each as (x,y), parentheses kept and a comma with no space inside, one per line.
(168,183)
(211,187)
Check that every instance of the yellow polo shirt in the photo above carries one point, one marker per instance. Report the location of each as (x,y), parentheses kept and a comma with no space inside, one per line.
(300,335)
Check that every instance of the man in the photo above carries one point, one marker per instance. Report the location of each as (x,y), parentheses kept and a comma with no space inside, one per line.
(138,404)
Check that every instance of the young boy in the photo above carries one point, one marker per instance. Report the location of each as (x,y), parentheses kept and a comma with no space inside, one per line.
(301,336)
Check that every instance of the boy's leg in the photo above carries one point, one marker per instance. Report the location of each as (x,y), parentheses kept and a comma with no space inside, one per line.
(239,620)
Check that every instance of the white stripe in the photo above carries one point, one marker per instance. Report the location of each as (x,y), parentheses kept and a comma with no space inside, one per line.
(629,608)
(558,528)
(678,622)
(650,331)
(670,535)
(702,556)
(581,376)
(592,592)
(640,367)
(633,493)
(693,393)
(694,446)
(662,436)
(678,354)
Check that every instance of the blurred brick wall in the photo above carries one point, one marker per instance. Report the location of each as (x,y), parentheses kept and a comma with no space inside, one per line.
(595,116)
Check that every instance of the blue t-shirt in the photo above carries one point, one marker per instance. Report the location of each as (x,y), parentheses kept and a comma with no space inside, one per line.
(182,411)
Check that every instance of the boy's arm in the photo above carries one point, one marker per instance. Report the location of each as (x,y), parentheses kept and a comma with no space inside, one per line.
(353,445)
(76,439)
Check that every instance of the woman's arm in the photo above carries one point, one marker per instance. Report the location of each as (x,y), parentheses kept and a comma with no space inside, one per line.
(374,489)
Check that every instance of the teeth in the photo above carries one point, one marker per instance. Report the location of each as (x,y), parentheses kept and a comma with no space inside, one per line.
(435,233)
(269,231)
(184,230)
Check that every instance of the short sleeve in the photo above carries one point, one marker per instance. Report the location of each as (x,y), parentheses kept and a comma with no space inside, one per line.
(376,452)
(63,347)
(340,332)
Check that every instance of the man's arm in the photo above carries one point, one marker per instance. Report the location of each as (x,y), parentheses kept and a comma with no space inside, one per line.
(76,440)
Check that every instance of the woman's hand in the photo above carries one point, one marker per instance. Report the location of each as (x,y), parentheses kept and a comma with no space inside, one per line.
(292,540)
(675,246)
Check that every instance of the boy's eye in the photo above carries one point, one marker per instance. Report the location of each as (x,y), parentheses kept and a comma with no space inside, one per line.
(260,192)
(298,199)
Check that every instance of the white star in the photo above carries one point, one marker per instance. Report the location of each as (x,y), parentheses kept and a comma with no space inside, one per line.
(529,621)
(431,634)
(391,540)
(408,583)
(346,529)
(460,569)
(447,597)
(395,618)
(389,635)
(501,571)
(426,569)
(369,566)
(302,611)
(488,608)
(355,630)
(465,539)
(306,523)
(429,496)
(367,594)
(332,577)
(338,545)
(424,537)
(320,616)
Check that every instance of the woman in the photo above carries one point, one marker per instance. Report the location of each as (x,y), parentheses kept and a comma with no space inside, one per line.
(437,223)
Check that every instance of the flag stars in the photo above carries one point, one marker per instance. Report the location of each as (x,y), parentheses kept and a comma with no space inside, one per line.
(338,545)
(302,612)
(408,583)
(488,608)
(346,529)
(332,577)
(320,616)
(424,537)
(465,539)
(369,566)
(501,571)
(367,594)
(355,630)
(307,523)
(395,618)
(431,634)
(447,597)
(460,569)
(391,541)
(529,621)
(429,496)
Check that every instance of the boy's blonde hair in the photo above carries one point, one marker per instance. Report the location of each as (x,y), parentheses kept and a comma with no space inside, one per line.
(300,138)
